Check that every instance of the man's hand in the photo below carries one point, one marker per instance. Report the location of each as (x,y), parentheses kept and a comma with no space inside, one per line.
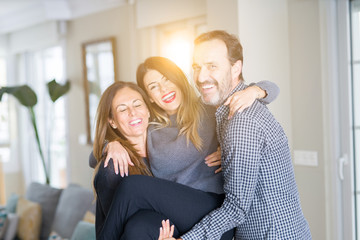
(166,232)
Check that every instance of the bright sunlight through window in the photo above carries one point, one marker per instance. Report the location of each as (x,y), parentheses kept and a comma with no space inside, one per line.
(178,48)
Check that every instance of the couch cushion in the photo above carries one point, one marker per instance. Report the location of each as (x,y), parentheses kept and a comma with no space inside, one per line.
(55,236)
(89,217)
(73,204)
(11,203)
(29,219)
(13,220)
(48,198)
(3,222)
(84,231)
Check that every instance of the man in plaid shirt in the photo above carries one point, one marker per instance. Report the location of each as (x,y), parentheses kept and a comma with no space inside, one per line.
(262,199)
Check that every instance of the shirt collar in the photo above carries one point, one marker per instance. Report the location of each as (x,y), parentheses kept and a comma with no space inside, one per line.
(238,87)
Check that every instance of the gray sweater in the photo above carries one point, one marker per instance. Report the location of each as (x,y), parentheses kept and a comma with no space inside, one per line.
(172,159)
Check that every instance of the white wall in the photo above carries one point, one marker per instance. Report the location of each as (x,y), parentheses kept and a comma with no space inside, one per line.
(306,105)
(3,45)
(36,37)
(223,15)
(264,34)
(156,12)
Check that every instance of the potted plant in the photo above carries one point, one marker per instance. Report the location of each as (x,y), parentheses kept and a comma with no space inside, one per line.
(27,97)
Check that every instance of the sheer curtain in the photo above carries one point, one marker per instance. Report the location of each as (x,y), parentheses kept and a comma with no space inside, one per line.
(37,69)
(4,132)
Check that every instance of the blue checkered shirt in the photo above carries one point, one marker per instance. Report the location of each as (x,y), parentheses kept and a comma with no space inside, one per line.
(262,199)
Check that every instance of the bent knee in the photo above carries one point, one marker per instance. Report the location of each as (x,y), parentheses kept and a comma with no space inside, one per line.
(144,224)
(106,177)
(132,184)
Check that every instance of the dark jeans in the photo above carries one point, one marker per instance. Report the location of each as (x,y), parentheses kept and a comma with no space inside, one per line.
(140,203)
(143,223)
(105,184)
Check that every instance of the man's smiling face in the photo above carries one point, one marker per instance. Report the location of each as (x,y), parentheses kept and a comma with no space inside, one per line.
(213,71)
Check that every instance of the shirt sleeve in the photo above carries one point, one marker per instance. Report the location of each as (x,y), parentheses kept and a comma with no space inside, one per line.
(271,89)
(92,159)
(241,159)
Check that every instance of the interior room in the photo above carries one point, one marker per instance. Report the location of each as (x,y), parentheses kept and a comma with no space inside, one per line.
(309,48)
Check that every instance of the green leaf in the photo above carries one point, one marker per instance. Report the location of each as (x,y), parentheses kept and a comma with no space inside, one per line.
(56,90)
(26,96)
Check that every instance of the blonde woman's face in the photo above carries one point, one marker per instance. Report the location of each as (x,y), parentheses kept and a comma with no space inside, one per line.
(162,91)
(131,115)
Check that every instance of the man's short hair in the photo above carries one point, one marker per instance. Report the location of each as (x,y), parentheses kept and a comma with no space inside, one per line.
(232,42)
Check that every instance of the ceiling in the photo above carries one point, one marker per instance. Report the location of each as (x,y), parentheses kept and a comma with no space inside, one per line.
(19,14)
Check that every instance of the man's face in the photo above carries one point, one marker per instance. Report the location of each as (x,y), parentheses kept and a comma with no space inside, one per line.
(213,74)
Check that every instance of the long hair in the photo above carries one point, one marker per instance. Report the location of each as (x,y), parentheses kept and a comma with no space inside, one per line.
(233,45)
(190,109)
(105,132)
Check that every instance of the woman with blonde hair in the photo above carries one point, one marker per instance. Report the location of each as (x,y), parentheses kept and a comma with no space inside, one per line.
(182,152)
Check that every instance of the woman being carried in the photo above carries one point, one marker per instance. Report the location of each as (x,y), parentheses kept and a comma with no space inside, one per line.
(112,124)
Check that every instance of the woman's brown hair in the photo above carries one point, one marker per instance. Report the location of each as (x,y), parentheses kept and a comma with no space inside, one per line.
(104,132)
(190,110)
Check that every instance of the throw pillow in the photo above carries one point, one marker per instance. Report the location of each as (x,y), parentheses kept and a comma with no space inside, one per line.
(11,203)
(29,219)
(3,222)
(89,217)
(73,204)
(84,231)
(12,224)
(48,198)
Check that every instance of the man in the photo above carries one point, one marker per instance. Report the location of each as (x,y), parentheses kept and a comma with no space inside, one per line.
(262,200)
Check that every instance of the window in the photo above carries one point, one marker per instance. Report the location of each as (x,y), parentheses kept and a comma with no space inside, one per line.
(178,48)
(4,118)
(38,69)
(355,32)
(176,41)
(4,131)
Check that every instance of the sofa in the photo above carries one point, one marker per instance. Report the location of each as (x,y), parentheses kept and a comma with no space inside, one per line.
(49,213)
